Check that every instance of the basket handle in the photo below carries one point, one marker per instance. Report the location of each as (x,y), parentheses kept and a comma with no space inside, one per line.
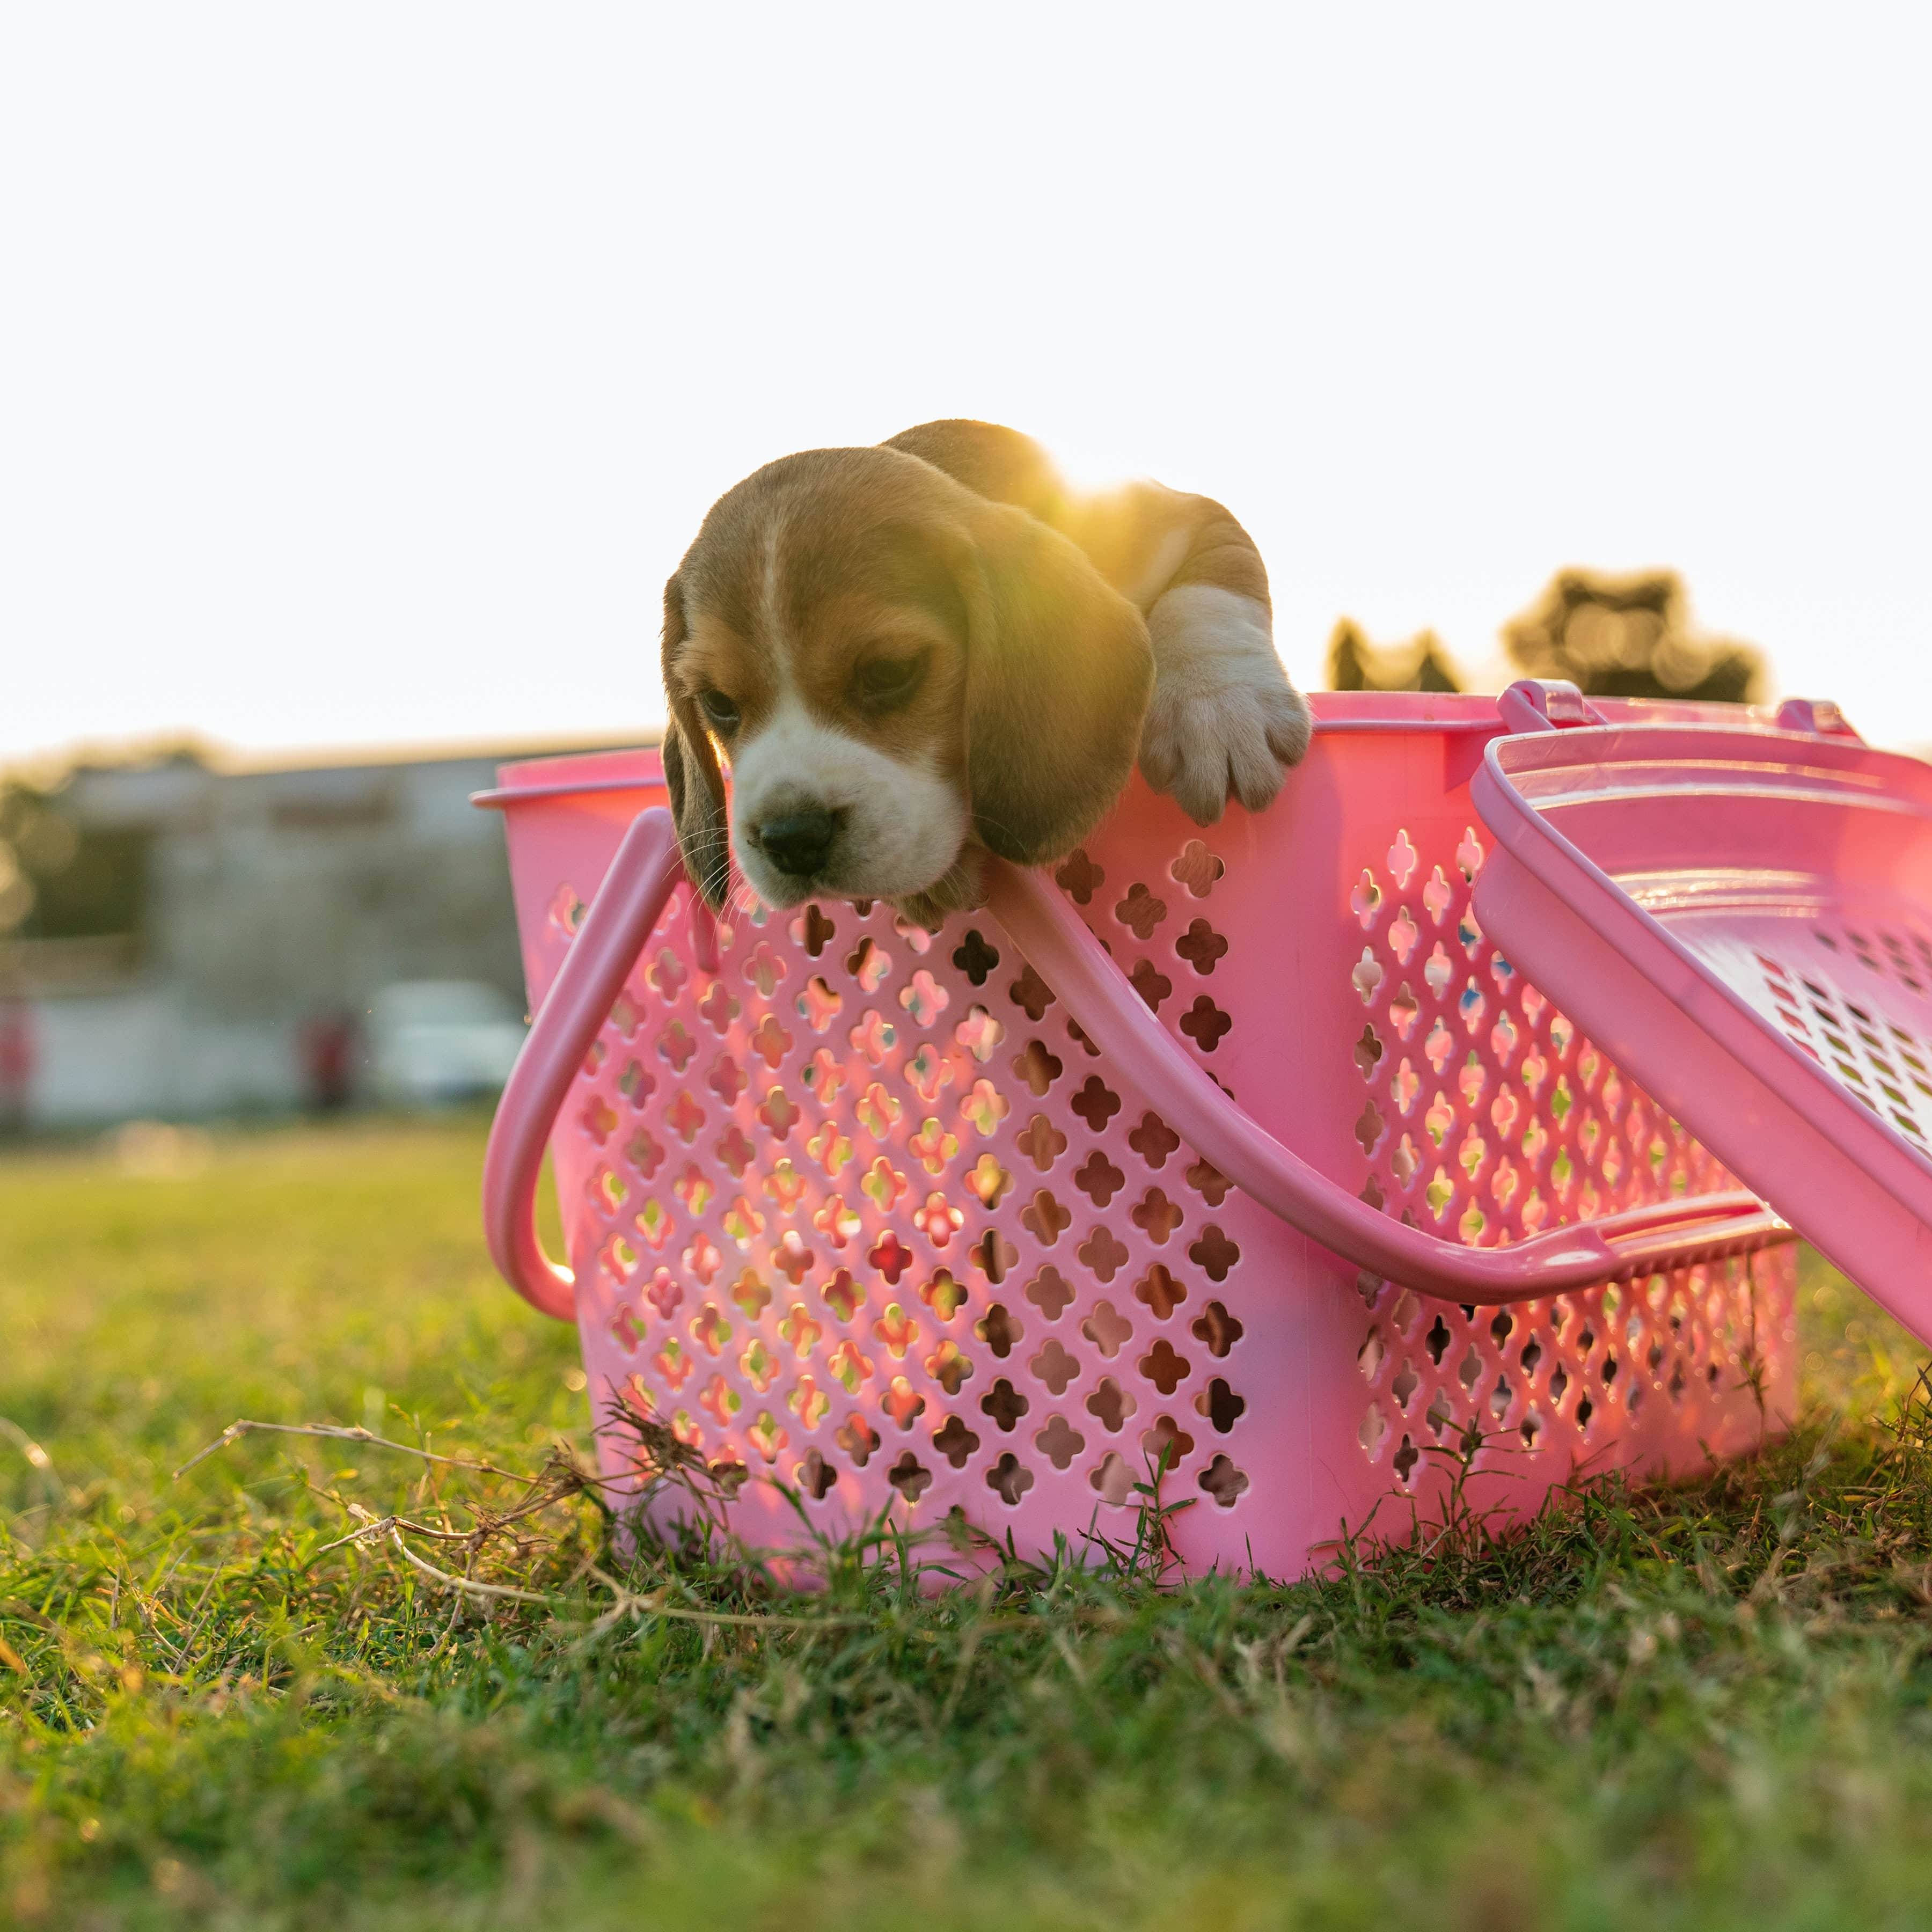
(647,868)
(623,910)
(1100,998)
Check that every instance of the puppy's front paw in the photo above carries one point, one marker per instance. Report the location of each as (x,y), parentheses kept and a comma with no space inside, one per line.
(1224,719)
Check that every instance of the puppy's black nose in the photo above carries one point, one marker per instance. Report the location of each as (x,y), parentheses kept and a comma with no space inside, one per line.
(798,842)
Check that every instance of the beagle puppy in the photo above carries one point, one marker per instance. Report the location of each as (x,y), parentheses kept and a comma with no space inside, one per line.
(910,656)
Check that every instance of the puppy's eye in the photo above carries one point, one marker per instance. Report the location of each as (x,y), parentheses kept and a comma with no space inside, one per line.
(719,709)
(884,683)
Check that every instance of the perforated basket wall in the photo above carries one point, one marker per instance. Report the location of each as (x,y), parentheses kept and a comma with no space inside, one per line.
(865,1213)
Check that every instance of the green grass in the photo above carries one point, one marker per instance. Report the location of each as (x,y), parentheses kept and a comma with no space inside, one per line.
(1709,1707)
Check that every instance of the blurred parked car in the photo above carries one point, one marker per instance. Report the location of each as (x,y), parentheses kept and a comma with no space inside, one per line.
(437,1040)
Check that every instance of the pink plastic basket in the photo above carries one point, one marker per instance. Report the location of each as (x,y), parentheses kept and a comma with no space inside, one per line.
(1246,1144)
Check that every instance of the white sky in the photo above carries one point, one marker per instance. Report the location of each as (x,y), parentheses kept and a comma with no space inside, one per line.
(364,370)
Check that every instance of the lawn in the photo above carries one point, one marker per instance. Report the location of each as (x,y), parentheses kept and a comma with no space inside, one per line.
(1707,1707)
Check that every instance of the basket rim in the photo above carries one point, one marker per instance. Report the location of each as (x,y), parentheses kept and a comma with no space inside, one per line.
(1374,713)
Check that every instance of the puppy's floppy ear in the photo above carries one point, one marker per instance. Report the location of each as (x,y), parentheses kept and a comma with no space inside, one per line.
(1058,672)
(691,775)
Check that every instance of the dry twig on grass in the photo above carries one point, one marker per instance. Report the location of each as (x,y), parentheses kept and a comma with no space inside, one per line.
(341,1432)
(559,1481)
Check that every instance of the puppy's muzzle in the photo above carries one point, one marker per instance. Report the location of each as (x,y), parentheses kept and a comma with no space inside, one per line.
(798,842)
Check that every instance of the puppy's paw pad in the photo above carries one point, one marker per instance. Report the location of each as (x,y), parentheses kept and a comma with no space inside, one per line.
(1183,753)
(1206,746)
(1288,722)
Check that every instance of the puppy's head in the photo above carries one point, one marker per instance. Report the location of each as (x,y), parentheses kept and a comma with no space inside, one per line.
(896,671)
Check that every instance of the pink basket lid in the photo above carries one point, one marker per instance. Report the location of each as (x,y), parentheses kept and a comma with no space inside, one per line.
(1738,910)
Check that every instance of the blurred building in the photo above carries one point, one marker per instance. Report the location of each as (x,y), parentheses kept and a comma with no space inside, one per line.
(198,939)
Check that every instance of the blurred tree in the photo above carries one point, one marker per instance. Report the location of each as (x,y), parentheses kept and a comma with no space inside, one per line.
(1629,637)
(1354,663)
(59,881)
